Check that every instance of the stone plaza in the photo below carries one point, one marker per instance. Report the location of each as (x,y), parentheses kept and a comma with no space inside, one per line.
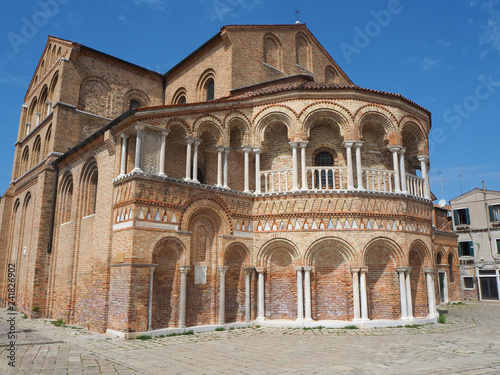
(467,343)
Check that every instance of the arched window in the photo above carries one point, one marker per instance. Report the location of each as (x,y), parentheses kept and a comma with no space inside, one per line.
(66,198)
(25,160)
(36,151)
(180,96)
(324,159)
(134,103)
(89,188)
(330,74)
(46,142)
(302,51)
(210,88)
(272,51)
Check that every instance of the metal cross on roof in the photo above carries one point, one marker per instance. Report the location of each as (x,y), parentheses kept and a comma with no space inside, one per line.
(297,12)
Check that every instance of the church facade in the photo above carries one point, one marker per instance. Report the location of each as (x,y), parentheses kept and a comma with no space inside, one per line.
(251,183)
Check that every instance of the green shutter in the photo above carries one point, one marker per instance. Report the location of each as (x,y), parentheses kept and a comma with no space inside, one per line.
(492,214)
(455,217)
(498,246)
(467,216)
(471,248)
(459,249)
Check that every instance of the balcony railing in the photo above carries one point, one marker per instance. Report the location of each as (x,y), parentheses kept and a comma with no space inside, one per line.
(326,178)
(415,185)
(378,180)
(277,180)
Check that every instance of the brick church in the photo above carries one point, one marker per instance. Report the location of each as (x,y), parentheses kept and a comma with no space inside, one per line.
(252,183)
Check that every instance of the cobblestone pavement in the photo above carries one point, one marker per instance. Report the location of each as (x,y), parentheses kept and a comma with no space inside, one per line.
(468,343)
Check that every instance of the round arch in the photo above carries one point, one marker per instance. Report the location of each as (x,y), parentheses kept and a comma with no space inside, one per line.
(388,245)
(272,114)
(343,247)
(325,110)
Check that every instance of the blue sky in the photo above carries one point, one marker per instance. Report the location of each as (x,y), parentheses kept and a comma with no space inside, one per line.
(444,55)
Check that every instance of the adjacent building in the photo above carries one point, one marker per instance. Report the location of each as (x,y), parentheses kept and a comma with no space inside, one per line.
(476,219)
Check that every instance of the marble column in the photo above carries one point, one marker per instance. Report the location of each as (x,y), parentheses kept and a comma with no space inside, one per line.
(307,292)
(189,142)
(394,150)
(226,151)
(183,296)
(260,299)
(49,106)
(257,170)
(150,297)
(359,168)
(350,176)
(38,117)
(424,159)
(355,292)
(220,151)
(247,150)
(404,189)
(123,166)
(295,184)
(364,298)
(222,294)
(402,291)
(248,293)
(138,149)
(196,143)
(409,302)
(163,146)
(303,171)
(300,294)
(431,296)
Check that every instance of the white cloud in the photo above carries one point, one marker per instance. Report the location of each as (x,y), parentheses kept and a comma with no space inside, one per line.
(124,20)
(429,63)
(443,43)
(490,31)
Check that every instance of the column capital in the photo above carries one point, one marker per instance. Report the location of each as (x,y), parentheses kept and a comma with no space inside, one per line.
(303,144)
(249,270)
(48,102)
(429,270)
(363,269)
(38,113)
(401,269)
(124,135)
(246,149)
(184,269)
(298,269)
(355,269)
(222,148)
(294,144)
(165,132)
(348,143)
(222,269)
(260,269)
(394,148)
(358,144)
(408,269)
(402,150)
(257,150)
(139,127)
(307,268)
(191,140)
(24,106)
(423,158)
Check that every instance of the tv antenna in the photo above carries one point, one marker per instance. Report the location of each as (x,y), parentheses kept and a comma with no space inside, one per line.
(297,12)
(442,183)
(460,177)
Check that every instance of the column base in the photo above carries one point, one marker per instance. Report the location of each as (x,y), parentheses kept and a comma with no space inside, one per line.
(186,179)
(295,189)
(195,181)
(137,170)
(299,320)
(308,320)
(304,188)
(361,189)
(225,187)
(259,320)
(247,191)
(162,175)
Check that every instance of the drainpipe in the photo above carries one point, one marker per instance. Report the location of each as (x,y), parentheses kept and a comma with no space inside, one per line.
(488,223)
(53,214)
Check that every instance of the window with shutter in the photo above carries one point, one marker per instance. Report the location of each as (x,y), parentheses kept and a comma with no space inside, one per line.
(494,211)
